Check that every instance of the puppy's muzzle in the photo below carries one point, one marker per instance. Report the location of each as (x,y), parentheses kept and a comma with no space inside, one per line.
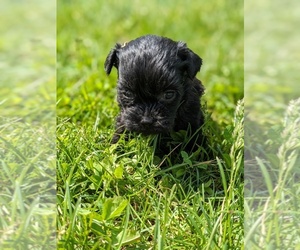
(147,121)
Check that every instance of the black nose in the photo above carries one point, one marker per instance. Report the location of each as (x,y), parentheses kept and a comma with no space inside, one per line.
(146,121)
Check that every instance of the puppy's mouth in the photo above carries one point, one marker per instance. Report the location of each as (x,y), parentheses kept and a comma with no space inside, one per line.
(148,125)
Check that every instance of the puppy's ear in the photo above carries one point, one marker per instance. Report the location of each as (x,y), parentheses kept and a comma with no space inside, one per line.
(190,62)
(112,59)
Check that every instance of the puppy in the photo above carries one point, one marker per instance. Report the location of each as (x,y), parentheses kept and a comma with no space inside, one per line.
(157,89)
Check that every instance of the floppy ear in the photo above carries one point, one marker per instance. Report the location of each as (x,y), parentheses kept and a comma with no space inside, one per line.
(112,59)
(190,62)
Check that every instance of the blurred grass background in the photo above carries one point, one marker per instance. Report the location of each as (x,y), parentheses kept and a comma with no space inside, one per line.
(272,132)
(88,31)
(271,58)
(27,125)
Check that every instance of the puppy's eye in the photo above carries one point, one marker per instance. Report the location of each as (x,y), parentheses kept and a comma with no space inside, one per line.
(169,95)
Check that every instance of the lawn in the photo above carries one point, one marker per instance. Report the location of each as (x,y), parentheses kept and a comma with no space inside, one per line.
(272,128)
(122,196)
(63,185)
(27,126)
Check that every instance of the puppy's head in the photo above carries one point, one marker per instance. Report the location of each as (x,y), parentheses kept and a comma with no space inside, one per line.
(153,77)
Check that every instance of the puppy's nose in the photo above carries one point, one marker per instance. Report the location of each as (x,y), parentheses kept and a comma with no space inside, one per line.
(146,120)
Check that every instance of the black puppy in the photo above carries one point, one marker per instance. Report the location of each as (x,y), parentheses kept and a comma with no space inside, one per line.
(157,89)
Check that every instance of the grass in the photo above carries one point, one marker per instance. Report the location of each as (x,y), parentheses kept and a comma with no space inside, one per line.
(27,127)
(272,187)
(121,196)
(271,126)
(107,199)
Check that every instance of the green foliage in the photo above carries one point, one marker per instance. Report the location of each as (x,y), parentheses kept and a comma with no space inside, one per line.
(271,125)
(123,196)
(272,188)
(27,126)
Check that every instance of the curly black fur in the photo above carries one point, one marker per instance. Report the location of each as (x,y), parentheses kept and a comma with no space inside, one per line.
(157,89)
